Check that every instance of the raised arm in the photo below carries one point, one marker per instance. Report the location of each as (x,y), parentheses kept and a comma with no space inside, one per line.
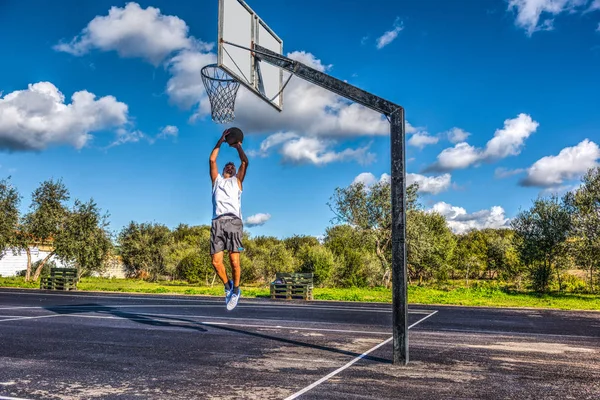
(214,170)
(241,174)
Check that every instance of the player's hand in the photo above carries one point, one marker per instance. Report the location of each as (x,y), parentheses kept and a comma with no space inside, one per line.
(236,145)
(224,135)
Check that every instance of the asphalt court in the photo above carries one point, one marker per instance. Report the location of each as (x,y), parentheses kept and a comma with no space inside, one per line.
(79,345)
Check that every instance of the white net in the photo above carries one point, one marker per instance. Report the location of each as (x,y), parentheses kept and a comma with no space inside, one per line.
(222,91)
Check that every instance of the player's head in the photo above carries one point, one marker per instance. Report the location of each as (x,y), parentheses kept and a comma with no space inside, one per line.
(229,169)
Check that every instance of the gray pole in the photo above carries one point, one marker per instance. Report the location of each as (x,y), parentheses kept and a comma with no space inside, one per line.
(398,185)
(398,189)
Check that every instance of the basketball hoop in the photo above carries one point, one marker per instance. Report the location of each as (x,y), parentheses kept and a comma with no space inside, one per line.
(222,91)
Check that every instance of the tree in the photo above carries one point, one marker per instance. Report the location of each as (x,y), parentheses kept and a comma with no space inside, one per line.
(84,238)
(500,253)
(355,261)
(188,255)
(269,257)
(369,209)
(584,207)
(316,259)
(470,254)
(9,215)
(295,242)
(143,248)
(429,245)
(46,218)
(540,236)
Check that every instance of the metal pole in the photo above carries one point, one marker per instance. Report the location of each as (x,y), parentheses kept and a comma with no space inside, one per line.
(398,191)
(398,184)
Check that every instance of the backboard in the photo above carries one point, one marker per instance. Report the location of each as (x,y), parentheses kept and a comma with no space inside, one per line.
(239,25)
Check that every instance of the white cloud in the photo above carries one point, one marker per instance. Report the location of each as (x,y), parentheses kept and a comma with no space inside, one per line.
(132,31)
(366,178)
(391,35)
(272,141)
(430,184)
(296,149)
(457,135)
(125,136)
(385,178)
(502,173)
(460,156)
(168,131)
(257,220)
(598,29)
(38,117)
(508,141)
(594,7)
(422,139)
(306,150)
(185,87)
(135,32)
(569,164)
(459,221)
(409,129)
(538,15)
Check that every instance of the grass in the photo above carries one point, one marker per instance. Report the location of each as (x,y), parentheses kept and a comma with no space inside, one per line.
(465,296)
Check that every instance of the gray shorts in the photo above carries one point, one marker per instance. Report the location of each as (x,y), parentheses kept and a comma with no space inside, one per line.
(226,234)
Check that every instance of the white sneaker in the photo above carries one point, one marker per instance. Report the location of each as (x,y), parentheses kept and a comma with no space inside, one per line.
(229,292)
(233,300)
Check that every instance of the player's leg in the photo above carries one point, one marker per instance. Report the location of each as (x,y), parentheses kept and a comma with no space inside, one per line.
(217,246)
(236,270)
(217,262)
(234,233)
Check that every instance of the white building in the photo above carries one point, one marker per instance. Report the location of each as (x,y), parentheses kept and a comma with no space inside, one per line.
(11,264)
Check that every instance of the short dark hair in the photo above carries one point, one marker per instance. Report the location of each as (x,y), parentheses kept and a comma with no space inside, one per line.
(229,163)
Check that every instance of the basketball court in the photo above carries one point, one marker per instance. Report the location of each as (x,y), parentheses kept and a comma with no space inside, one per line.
(118,346)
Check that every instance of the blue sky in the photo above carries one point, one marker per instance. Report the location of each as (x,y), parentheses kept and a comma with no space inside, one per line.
(501,102)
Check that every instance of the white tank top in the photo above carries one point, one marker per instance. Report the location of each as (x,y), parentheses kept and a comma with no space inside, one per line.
(227,197)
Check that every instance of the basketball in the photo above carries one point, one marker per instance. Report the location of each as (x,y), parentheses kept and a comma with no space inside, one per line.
(235,136)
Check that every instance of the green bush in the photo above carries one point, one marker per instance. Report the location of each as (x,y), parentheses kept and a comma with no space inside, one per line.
(193,269)
(573,284)
(540,277)
(318,260)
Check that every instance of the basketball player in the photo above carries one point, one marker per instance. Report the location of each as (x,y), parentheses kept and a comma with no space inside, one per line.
(227,225)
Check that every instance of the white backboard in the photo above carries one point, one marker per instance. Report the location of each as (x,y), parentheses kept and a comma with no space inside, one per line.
(239,24)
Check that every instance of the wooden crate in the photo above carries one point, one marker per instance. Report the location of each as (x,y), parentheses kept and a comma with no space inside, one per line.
(60,279)
(294,286)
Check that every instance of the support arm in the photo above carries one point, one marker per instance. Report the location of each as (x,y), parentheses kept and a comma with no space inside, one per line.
(319,78)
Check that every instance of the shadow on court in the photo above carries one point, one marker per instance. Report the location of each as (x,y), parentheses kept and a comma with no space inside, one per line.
(178,322)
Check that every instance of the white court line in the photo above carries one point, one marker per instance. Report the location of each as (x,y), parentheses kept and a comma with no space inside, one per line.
(337,371)
(295,328)
(213,300)
(20,318)
(508,333)
(230,324)
(12,398)
(308,307)
(227,324)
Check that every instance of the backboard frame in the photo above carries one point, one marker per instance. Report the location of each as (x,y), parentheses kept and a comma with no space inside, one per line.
(255,82)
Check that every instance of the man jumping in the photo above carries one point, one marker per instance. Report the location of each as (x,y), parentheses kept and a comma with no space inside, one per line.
(227,226)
